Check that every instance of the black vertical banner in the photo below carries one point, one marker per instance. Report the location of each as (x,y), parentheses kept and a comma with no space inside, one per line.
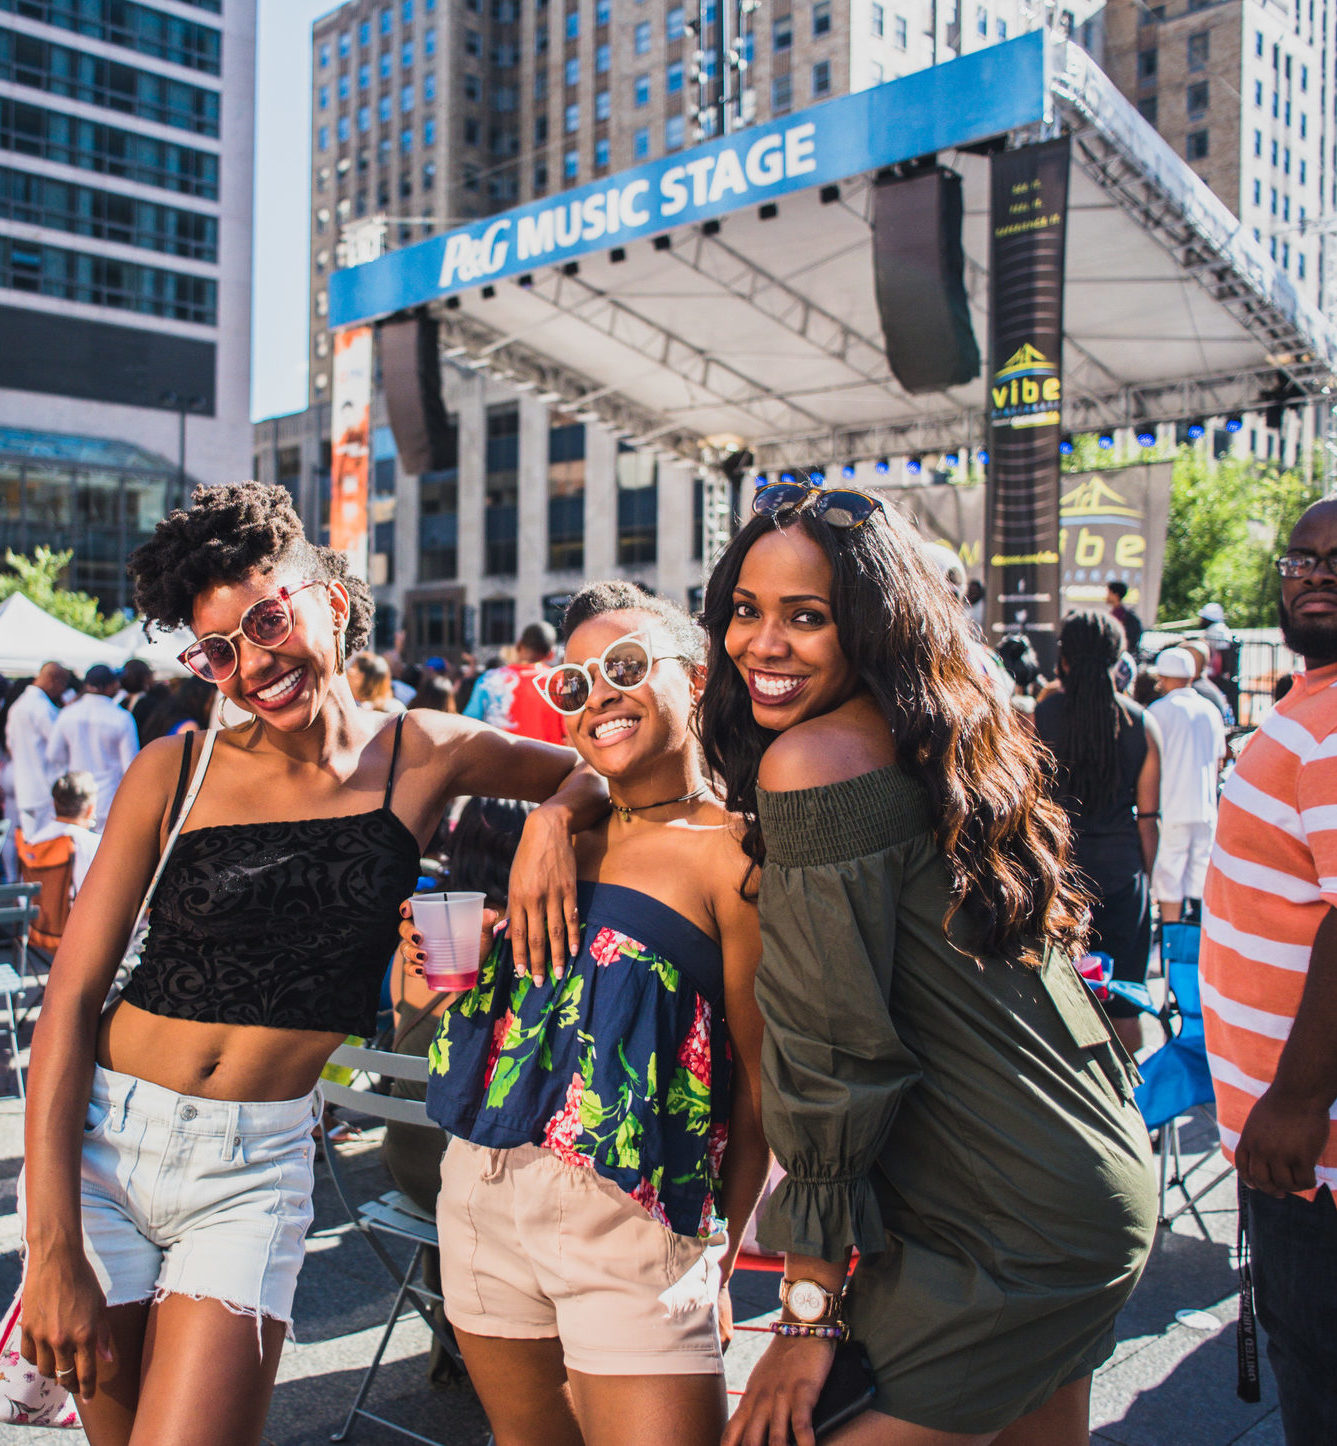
(1028,226)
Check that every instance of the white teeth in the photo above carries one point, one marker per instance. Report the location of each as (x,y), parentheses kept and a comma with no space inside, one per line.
(274,690)
(774,687)
(614,725)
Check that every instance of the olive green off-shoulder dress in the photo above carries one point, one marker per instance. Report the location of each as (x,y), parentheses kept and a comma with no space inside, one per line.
(967,1124)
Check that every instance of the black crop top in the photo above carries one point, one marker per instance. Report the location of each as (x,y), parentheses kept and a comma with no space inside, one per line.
(290,925)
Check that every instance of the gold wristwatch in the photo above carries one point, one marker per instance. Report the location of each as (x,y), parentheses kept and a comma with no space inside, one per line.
(811,1303)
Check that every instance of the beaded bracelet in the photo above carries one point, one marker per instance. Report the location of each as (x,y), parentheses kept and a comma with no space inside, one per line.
(836,1332)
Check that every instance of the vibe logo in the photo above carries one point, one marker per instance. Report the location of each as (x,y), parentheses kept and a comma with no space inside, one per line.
(470,259)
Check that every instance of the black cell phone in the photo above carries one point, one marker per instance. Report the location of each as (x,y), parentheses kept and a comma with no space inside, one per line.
(849,1390)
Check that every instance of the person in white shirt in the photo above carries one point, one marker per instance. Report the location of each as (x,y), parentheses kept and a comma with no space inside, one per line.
(27,735)
(94,735)
(1193,743)
(75,803)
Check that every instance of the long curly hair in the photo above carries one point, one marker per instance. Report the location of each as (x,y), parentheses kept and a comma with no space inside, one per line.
(1004,840)
(230,530)
(1086,747)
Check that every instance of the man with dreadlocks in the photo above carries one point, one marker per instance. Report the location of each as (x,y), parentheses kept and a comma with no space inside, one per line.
(1108,779)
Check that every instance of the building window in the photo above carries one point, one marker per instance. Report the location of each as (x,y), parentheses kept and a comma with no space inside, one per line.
(640,144)
(364,117)
(324,57)
(387,20)
(429,86)
(673,78)
(566,494)
(603,59)
(782,95)
(540,129)
(1146,65)
(406,98)
(1197,98)
(900,32)
(1303,170)
(821,18)
(384,109)
(1258,43)
(429,40)
(573,24)
(429,132)
(1199,50)
(1258,93)
(782,33)
(571,121)
(603,105)
(601,154)
(1002,28)
(406,12)
(323,138)
(1300,264)
(343,128)
(641,91)
(675,129)
(406,141)
(879,24)
(345,43)
(438,519)
(406,55)
(981,21)
(496,622)
(541,86)
(343,86)
(673,23)
(641,38)
(603,10)
(1257,192)
(540,40)
(387,65)
(473,43)
(821,79)
(1276,155)
(572,71)
(500,516)
(503,99)
(1304,77)
(540,178)
(571,165)
(323,98)
(875,72)
(1286,161)
(1196,146)
(1147,109)
(637,506)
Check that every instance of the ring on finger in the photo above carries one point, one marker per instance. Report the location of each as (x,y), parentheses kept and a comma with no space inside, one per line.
(68,1371)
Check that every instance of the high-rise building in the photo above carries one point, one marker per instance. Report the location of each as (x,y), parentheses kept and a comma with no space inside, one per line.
(126,141)
(1243,90)
(427,113)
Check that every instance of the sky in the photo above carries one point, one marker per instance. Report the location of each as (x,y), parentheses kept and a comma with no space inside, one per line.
(282,212)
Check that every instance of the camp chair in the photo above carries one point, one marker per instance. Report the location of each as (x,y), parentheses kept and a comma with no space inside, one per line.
(49,864)
(391,1216)
(1176,1081)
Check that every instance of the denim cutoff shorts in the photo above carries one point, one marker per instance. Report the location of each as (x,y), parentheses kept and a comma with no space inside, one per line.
(209,1199)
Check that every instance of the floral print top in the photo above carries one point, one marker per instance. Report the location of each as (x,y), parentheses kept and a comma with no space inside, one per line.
(621,1067)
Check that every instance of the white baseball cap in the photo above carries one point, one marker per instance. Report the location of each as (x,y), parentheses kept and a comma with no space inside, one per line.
(1213,612)
(1175,663)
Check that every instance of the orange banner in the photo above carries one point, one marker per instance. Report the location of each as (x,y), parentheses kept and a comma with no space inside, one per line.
(350,451)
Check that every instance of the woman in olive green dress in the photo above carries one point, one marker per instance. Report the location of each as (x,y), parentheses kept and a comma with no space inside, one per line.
(938,1084)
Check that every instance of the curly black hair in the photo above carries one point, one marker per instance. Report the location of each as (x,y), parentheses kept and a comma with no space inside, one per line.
(230,530)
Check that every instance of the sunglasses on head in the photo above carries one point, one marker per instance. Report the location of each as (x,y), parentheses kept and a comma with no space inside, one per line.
(625,664)
(267,623)
(841,507)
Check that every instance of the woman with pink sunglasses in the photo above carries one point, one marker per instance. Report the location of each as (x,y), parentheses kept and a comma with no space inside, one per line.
(167,1188)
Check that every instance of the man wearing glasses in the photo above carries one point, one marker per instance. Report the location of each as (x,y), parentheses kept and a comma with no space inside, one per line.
(1269,991)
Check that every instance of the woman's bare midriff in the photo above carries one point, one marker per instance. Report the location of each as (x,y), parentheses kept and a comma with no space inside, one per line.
(213,1061)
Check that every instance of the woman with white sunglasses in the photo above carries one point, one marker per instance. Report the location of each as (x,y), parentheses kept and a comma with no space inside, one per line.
(605,1121)
(163,1243)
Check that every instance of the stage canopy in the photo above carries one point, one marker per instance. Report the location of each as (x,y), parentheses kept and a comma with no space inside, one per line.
(727,292)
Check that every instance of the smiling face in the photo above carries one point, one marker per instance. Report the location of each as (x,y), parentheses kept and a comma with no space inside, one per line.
(782,636)
(1309,604)
(285,686)
(624,735)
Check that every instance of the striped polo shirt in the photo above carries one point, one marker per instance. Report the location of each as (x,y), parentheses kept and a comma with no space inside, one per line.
(1272,877)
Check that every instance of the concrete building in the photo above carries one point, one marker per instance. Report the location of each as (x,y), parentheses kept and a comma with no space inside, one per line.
(429,112)
(1243,90)
(126,140)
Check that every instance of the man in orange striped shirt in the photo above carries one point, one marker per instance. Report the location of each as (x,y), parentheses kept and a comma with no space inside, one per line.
(1269,991)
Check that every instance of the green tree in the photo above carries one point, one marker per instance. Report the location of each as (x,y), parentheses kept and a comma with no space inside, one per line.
(38,579)
(1226,521)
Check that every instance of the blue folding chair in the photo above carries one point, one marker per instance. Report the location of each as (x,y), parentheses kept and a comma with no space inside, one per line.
(1176,1081)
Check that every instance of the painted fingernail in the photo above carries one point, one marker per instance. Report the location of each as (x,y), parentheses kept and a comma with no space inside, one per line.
(416,938)
(403,911)
(421,958)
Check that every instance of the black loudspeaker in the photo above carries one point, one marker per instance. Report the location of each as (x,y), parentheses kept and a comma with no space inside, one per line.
(411,374)
(919,269)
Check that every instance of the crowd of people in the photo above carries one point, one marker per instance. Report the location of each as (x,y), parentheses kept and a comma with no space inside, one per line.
(804,880)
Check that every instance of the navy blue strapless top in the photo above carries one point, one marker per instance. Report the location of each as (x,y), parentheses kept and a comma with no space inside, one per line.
(623,1067)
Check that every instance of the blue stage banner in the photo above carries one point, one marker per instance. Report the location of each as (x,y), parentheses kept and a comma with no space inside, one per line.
(984,94)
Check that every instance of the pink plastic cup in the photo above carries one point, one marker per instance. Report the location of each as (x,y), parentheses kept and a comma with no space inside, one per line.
(451,926)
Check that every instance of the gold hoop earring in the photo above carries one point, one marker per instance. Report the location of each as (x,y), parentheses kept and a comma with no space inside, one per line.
(340,650)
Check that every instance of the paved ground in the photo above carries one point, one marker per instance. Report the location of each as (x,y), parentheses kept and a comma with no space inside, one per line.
(1167,1384)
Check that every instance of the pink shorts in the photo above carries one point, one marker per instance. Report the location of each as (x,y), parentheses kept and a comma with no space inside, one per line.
(533,1248)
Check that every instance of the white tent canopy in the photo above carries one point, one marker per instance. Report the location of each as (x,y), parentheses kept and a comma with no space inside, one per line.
(156,648)
(30,637)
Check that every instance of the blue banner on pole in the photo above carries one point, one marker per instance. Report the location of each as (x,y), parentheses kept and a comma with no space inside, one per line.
(983,94)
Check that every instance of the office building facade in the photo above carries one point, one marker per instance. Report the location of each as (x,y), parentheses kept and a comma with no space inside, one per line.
(126,141)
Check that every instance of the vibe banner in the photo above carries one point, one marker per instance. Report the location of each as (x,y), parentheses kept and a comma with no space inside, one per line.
(350,445)
(1028,227)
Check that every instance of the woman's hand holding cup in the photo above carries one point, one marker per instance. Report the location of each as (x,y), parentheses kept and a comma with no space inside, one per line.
(415,947)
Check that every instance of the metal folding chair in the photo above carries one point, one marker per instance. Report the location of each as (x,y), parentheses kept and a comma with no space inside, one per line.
(1176,1081)
(18,910)
(391,1215)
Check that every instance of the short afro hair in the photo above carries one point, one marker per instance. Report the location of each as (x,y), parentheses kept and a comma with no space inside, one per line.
(617,596)
(231,530)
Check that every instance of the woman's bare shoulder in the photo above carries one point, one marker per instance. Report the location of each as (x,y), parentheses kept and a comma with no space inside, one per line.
(830,748)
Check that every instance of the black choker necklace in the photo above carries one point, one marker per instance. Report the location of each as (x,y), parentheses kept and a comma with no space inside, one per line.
(625,810)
